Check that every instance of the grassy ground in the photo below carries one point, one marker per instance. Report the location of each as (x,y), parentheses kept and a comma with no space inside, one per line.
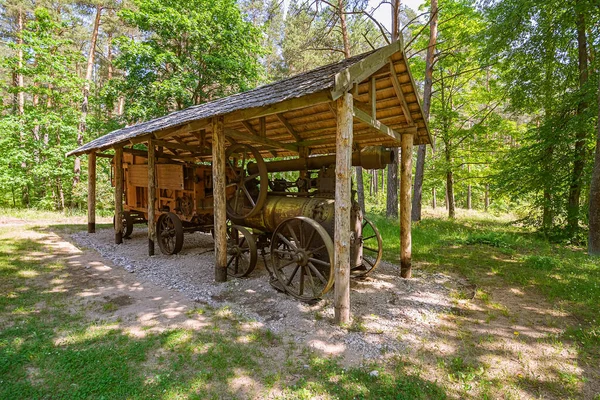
(489,251)
(53,345)
(500,258)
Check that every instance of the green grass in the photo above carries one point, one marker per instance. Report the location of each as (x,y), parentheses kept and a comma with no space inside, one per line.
(51,348)
(487,250)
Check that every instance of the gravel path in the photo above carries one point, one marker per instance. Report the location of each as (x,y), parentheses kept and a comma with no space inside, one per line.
(390,314)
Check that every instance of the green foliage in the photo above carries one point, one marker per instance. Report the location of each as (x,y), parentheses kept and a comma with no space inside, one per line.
(35,170)
(190,52)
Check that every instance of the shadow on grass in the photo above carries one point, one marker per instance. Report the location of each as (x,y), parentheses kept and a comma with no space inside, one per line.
(55,342)
(497,255)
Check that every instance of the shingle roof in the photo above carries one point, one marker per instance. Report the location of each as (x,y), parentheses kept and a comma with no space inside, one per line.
(310,82)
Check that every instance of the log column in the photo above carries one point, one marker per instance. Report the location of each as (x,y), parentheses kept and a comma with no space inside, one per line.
(151,197)
(406,206)
(118,161)
(92,192)
(219,198)
(343,207)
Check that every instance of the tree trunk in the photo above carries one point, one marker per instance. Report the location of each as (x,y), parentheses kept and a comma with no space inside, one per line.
(86,93)
(469,190)
(422,151)
(594,224)
(433,199)
(579,155)
(20,80)
(449,188)
(486,202)
(392,171)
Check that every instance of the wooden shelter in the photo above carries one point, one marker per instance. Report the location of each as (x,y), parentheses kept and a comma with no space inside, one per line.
(367,100)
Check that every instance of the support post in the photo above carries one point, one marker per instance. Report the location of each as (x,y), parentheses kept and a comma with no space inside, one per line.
(406,206)
(343,207)
(151,196)
(118,161)
(219,198)
(92,192)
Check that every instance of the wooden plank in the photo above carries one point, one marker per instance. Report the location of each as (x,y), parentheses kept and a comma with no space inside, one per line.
(151,181)
(400,94)
(406,206)
(289,127)
(118,163)
(358,72)
(170,176)
(264,141)
(250,128)
(262,127)
(283,106)
(177,146)
(343,207)
(138,174)
(373,96)
(378,125)
(92,192)
(219,198)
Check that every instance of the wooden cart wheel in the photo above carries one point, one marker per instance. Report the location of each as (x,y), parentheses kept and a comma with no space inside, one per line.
(169,232)
(372,250)
(247,193)
(302,258)
(241,252)
(127,224)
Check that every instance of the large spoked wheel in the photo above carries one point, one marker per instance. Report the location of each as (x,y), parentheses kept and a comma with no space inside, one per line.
(127,224)
(372,250)
(302,258)
(241,252)
(169,231)
(246,193)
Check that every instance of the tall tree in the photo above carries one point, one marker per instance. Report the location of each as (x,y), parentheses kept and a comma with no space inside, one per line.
(86,91)
(427,92)
(391,210)
(188,53)
(594,213)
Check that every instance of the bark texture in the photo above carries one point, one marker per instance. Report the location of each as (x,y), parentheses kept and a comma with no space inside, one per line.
(428,89)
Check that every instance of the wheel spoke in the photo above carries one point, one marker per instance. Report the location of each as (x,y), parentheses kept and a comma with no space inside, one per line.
(317,249)
(248,195)
(289,281)
(371,249)
(293,234)
(317,272)
(284,240)
(317,261)
(250,177)
(230,260)
(301,289)
(368,238)
(312,283)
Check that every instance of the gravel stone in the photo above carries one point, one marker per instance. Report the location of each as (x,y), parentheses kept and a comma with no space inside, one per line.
(390,313)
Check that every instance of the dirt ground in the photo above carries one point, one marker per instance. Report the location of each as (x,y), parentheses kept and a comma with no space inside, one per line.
(506,342)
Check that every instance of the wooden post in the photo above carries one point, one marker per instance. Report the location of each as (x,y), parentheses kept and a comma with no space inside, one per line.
(219,198)
(343,207)
(92,192)
(151,197)
(118,161)
(406,206)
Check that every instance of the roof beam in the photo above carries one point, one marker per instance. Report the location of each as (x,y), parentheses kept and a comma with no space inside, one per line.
(264,141)
(400,94)
(289,127)
(378,125)
(364,68)
(176,146)
(283,106)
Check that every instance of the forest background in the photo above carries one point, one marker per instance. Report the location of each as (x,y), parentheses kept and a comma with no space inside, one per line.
(510,87)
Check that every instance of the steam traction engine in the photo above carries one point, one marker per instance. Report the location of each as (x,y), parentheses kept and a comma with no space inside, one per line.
(290,217)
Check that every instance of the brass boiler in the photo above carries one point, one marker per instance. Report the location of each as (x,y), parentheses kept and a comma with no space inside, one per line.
(278,208)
